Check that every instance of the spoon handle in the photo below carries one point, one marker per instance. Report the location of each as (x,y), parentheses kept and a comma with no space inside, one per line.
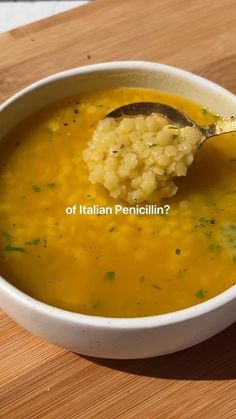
(221,127)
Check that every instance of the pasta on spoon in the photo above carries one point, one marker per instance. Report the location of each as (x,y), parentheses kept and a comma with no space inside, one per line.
(137,156)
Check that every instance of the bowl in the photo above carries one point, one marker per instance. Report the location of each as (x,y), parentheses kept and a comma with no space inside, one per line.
(120,338)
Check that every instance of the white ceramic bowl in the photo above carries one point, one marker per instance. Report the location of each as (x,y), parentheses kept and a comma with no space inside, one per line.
(114,337)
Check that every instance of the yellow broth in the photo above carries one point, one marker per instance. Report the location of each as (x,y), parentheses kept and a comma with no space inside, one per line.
(112,265)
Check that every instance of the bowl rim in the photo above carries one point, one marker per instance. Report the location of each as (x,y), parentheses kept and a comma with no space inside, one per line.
(178,316)
(131,65)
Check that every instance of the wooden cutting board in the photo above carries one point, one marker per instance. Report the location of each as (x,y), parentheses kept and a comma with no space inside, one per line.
(39,380)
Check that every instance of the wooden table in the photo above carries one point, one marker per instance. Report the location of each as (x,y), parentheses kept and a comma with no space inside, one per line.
(39,380)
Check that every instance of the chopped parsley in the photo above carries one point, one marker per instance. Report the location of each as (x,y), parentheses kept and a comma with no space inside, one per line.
(207,221)
(229,237)
(200,293)
(209,234)
(229,228)
(152,145)
(110,276)
(177,251)
(207,111)
(204,224)
(9,248)
(33,242)
(111,229)
(51,185)
(36,188)
(214,247)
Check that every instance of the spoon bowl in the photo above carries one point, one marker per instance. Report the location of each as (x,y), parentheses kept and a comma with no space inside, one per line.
(176,117)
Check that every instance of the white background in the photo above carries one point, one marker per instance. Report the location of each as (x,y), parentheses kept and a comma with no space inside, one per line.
(17,13)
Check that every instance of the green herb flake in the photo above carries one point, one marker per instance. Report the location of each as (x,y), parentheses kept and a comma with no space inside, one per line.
(51,185)
(111,229)
(177,251)
(229,237)
(233,160)
(152,145)
(200,294)
(36,188)
(229,228)
(214,247)
(204,221)
(209,234)
(110,276)
(9,248)
(33,242)
(156,287)
(142,278)
(174,136)
(214,115)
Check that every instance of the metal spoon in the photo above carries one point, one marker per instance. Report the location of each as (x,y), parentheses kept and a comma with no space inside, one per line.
(176,117)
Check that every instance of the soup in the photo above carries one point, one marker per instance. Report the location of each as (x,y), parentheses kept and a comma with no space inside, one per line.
(118,265)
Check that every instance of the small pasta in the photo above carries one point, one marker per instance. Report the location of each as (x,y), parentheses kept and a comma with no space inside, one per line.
(136,158)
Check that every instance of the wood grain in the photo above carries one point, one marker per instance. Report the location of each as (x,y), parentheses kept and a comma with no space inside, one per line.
(38,380)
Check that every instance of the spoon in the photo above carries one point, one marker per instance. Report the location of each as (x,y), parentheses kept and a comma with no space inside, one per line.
(176,117)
